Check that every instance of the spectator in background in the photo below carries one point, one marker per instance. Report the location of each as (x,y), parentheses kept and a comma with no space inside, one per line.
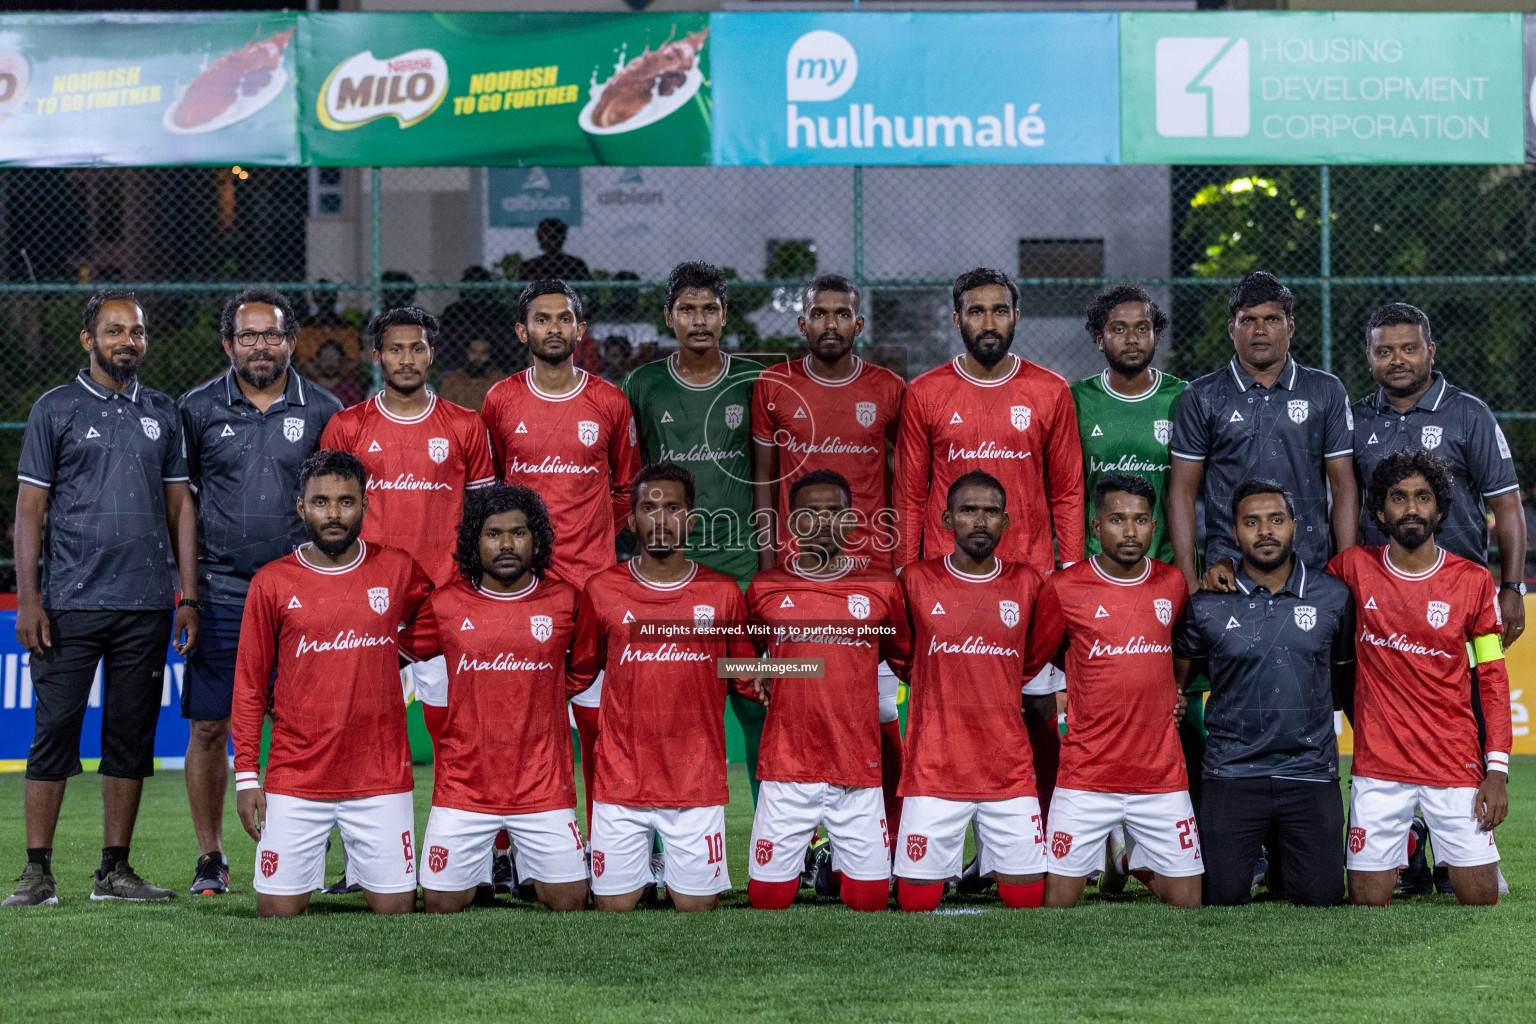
(646,353)
(398,289)
(323,302)
(332,370)
(616,359)
(467,386)
(478,314)
(554,263)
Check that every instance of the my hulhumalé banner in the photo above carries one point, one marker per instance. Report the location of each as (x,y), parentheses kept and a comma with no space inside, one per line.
(147,89)
(883,88)
(1299,88)
(505,89)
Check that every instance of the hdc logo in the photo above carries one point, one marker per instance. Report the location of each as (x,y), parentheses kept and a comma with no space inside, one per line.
(1202,87)
(821,66)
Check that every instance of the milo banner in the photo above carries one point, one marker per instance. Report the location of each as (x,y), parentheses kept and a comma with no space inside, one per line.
(505,89)
(147,89)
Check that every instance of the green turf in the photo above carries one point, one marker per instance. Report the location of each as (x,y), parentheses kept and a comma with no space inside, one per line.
(1126,959)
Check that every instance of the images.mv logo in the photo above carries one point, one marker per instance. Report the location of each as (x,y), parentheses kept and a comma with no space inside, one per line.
(1202,86)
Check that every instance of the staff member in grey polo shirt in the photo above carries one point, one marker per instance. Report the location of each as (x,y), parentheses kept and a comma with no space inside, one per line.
(247,434)
(1271,650)
(103,502)
(1261,415)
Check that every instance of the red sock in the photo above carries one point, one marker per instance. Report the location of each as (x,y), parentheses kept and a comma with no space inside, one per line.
(502,841)
(772,895)
(435,717)
(1413,843)
(870,896)
(586,734)
(890,775)
(1017,897)
(918,899)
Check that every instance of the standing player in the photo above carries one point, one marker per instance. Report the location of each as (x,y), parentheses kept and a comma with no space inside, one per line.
(1418,608)
(968,754)
(661,736)
(821,744)
(504,753)
(1112,616)
(247,434)
(327,618)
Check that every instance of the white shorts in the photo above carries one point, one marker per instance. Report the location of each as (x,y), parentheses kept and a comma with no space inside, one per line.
(1010,837)
(1380,813)
(378,833)
(430,679)
(889,688)
(1161,824)
(693,838)
(457,847)
(1049,680)
(591,697)
(787,815)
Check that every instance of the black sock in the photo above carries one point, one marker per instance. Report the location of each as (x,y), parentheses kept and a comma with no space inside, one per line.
(41,855)
(111,856)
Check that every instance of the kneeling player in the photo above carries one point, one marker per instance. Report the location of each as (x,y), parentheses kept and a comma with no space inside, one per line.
(328,616)
(1121,762)
(820,759)
(504,750)
(661,728)
(968,756)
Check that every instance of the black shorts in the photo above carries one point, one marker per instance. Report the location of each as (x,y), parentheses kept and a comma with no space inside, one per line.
(131,648)
(209,685)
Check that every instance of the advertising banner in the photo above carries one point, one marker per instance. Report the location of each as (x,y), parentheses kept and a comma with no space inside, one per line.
(1530,87)
(505,89)
(877,88)
(1298,88)
(147,89)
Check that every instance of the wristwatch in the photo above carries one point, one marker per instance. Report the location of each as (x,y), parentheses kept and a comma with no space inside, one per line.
(1518,588)
(190,602)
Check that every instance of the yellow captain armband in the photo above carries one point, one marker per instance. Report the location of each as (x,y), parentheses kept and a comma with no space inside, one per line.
(1488,648)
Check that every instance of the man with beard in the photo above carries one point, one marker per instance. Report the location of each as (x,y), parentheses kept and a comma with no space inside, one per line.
(247,433)
(1425,616)
(103,503)
(1274,650)
(326,618)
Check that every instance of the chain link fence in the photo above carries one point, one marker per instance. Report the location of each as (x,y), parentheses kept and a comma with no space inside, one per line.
(1458,241)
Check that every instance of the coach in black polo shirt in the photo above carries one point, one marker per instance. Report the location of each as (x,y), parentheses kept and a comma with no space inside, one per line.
(103,476)
(247,434)
(1270,649)
(1263,415)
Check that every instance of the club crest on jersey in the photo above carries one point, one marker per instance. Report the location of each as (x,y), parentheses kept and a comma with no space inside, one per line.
(1439,613)
(1162,430)
(1061,844)
(864,412)
(151,427)
(1429,437)
(437,858)
(543,627)
(1009,611)
(437,449)
(1018,415)
(858,606)
(703,615)
(268,863)
(762,851)
(597,863)
(293,428)
(1163,609)
(733,414)
(1356,839)
(1305,616)
(1297,409)
(586,432)
(378,599)
(917,846)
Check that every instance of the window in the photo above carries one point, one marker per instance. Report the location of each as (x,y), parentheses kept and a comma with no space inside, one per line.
(326,194)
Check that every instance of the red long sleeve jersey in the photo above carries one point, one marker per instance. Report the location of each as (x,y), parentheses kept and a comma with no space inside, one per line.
(579,451)
(338,715)
(505,747)
(840,425)
(1022,429)
(661,727)
(828,729)
(966,738)
(1118,638)
(1413,710)
(418,471)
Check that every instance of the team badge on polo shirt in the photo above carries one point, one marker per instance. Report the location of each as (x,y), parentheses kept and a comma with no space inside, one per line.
(1297,409)
(293,428)
(1430,437)
(151,427)
(1305,616)
(378,599)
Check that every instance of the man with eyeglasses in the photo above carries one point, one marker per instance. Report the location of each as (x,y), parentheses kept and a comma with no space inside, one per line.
(247,433)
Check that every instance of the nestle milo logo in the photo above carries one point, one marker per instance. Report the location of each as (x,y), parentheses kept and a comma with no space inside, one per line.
(364,88)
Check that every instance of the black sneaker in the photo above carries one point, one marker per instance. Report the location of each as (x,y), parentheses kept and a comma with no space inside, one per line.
(821,869)
(1443,879)
(341,887)
(212,875)
(501,871)
(971,881)
(34,888)
(1416,879)
(123,883)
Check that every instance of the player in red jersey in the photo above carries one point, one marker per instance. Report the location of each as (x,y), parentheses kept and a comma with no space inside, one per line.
(504,754)
(661,737)
(327,617)
(1418,608)
(1112,618)
(968,755)
(820,759)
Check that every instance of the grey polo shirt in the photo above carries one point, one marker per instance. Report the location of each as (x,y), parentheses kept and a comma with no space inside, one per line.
(1241,430)
(244,465)
(1460,429)
(1270,712)
(105,457)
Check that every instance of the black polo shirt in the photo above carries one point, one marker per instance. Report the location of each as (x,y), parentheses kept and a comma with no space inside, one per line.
(1460,429)
(105,457)
(1270,712)
(244,465)
(1241,430)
